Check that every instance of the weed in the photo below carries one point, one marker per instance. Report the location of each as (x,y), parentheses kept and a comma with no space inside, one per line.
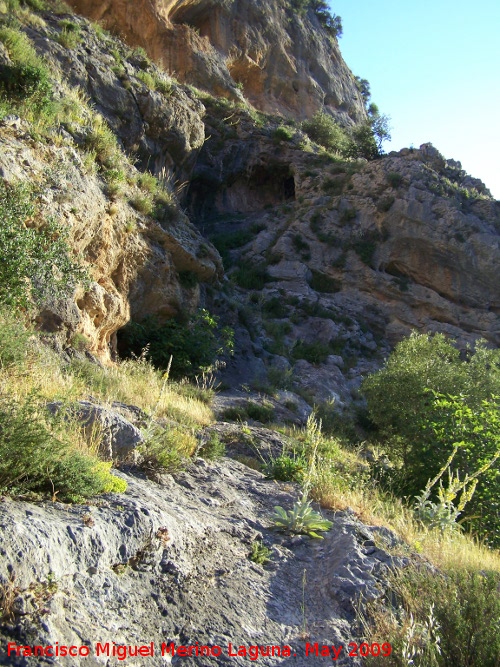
(287,468)
(142,204)
(259,554)
(302,519)
(212,448)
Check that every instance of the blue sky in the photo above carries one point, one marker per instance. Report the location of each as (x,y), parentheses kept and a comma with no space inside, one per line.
(434,68)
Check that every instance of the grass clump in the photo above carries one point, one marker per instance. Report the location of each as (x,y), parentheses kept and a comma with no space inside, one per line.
(437,620)
(166,450)
(70,36)
(38,455)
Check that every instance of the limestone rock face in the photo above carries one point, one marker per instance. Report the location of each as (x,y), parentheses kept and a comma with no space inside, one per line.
(356,254)
(134,260)
(170,563)
(281,62)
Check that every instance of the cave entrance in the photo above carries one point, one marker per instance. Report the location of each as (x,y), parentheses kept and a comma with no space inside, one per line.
(265,186)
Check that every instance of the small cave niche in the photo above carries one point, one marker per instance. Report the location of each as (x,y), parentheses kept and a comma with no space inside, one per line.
(264,187)
(200,18)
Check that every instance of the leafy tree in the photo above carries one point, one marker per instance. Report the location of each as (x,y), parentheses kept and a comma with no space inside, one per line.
(330,22)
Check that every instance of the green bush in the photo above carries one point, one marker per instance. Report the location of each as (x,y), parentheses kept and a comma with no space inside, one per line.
(213,448)
(14,339)
(394,179)
(427,399)
(315,353)
(195,345)
(35,264)
(322,129)
(37,455)
(251,276)
(287,468)
(166,450)
(283,133)
(226,241)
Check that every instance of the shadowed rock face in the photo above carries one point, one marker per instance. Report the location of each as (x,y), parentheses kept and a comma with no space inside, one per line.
(281,62)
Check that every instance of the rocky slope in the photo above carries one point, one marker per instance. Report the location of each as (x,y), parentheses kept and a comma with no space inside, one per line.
(328,262)
(281,62)
(135,259)
(352,255)
(170,563)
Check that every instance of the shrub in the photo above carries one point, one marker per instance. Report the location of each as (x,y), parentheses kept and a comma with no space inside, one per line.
(195,345)
(315,353)
(274,307)
(38,455)
(322,129)
(283,133)
(394,179)
(35,262)
(261,412)
(212,448)
(437,620)
(226,241)
(363,143)
(287,468)
(251,276)
(421,430)
(166,450)
(14,339)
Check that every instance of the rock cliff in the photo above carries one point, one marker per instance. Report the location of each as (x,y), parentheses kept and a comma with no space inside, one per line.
(279,61)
